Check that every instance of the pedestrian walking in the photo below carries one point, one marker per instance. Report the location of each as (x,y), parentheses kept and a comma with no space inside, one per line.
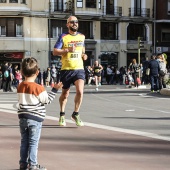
(162,72)
(31,113)
(70,46)
(154,72)
(135,69)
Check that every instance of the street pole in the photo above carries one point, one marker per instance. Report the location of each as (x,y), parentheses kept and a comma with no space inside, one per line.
(49,34)
(139,53)
(154,26)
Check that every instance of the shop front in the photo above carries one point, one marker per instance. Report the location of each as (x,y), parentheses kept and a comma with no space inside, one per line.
(11,57)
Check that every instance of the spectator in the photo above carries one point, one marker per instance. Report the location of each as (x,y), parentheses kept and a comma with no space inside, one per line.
(162,72)
(154,71)
(39,77)
(4,76)
(15,73)
(109,75)
(89,75)
(135,69)
(48,77)
(145,77)
(54,73)
(0,78)
(10,78)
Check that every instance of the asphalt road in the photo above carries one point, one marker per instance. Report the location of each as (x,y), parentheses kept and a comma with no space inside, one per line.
(125,129)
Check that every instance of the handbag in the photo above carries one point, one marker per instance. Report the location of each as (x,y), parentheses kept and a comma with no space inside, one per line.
(161,73)
(148,71)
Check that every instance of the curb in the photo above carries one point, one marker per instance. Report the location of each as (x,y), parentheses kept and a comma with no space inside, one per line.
(165,91)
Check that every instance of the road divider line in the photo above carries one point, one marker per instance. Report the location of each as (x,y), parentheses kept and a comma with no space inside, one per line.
(104,127)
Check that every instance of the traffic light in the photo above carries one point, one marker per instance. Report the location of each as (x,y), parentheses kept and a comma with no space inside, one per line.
(140,43)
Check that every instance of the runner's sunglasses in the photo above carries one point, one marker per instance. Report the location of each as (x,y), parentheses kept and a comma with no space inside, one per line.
(73,21)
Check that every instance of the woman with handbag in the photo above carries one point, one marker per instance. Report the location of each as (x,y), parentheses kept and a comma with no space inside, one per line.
(162,64)
(135,69)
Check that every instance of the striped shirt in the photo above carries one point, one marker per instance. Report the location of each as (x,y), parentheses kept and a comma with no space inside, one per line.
(32,98)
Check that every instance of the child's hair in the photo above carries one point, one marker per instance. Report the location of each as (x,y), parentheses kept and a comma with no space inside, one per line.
(29,67)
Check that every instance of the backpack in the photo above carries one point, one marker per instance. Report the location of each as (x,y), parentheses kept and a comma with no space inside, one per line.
(136,68)
(6,73)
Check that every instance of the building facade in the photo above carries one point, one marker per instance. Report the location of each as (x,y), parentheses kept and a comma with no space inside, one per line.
(161,26)
(112,27)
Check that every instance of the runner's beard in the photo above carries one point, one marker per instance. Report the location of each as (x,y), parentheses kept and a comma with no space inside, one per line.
(73,29)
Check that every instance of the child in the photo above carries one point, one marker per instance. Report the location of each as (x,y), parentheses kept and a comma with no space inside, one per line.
(31,112)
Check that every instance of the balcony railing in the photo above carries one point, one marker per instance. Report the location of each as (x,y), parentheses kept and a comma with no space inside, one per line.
(3,1)
(142,12)
(60,6)
(13,1)
(110,10)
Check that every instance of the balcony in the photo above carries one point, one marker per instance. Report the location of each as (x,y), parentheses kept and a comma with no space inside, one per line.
(60,6)
(140,12)
(3,1)
(110,10)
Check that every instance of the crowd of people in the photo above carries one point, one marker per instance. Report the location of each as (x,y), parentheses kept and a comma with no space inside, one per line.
(151,72)
(10,77)
(134,75)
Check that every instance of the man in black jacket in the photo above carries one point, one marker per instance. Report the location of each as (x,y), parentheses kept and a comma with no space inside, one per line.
(145,77)
(154,72)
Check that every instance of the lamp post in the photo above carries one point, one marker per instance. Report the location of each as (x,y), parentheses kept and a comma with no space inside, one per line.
(154,28)
(49,34)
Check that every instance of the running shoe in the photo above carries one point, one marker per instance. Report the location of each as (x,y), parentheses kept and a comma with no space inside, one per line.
(37,167)
(62,121)
(77,119)
(23,167)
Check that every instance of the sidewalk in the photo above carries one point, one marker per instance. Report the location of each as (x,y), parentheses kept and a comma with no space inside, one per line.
(111,88)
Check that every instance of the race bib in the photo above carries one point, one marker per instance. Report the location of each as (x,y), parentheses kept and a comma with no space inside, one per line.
(96,70)
(74,55)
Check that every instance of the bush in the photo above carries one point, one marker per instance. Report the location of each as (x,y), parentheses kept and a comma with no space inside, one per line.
(167,81)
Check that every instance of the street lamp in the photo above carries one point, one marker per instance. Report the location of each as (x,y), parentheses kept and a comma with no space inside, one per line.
(49,34)
(154,28)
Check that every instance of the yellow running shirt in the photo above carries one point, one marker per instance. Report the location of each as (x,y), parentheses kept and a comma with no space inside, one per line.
(71,60)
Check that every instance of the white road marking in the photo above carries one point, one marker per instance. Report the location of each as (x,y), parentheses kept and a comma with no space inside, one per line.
(104,127)
(4,101)
(160,98)
(132,110)
(129,105)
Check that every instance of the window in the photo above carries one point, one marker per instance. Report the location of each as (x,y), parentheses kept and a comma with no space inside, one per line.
(110,7)
(19,30)
(23,1)
(79,3)
(86,28)
(2,31)
(109,59)
(56,31)
(136,30)
(11,27)
(165,35)
(137,9)
(109,31)
(13,1)
(58,5)
(99,4)
(57,28)
(168,6)
(2,1)
(90,3)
